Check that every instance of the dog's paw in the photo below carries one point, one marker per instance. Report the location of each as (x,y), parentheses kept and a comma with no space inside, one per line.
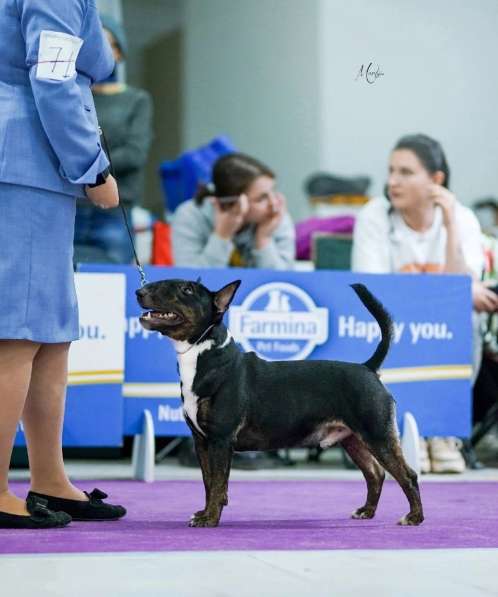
(198,514)
(363,513)
(411,520)
(203,520)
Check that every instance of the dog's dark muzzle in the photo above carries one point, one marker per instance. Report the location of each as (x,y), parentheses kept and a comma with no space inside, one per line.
(156,316)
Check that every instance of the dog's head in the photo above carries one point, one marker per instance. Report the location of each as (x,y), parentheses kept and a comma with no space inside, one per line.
(182,309)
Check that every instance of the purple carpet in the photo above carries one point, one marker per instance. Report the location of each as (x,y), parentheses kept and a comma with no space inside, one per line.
(279,515)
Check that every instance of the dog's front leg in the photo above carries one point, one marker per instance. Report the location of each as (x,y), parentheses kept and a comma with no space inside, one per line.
(201,449)
(218,462)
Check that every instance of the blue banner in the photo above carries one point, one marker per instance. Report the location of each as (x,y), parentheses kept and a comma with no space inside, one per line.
(317,315)
(94,401)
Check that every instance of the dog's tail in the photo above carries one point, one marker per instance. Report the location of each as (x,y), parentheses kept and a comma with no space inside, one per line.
(383,319)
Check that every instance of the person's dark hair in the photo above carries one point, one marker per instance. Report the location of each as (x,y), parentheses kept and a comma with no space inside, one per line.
(429,152)
(233,174)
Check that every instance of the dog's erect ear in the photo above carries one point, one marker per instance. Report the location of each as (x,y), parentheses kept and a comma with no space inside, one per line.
(224,296)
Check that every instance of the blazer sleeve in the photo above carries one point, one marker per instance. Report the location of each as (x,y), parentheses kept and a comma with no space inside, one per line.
(72,134)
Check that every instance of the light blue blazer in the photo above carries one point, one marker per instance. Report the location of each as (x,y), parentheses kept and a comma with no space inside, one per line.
(49,135)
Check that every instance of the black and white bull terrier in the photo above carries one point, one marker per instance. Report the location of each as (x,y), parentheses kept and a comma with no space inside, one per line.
(237,401)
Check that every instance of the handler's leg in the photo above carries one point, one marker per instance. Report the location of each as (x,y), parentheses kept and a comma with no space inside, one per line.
(43,417)
(16,360)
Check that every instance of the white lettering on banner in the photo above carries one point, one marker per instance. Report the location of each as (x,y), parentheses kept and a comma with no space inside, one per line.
(100,350)
(168,414)
(429,331)
(285,325)
(91,332)
(134,328)
(369,330)
(398,330)
(353,328)
(276,345)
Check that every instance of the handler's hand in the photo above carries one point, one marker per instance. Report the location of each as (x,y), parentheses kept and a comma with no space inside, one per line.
(105,195)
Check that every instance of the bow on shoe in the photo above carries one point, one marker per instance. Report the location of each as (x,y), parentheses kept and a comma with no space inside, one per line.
(96,496)
(37,507)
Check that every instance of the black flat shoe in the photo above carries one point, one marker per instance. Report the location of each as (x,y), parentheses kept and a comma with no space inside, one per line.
(93,509)
(40,517)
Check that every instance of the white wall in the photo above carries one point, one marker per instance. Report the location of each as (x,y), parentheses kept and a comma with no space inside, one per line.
(439,60)
(251,72)
(278,76)
(146,21)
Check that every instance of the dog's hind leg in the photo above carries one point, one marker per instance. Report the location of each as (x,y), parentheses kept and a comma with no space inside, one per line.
(390,456)
(218,458)
(372,471)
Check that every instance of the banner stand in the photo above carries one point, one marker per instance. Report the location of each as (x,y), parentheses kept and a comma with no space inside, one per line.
(410,442)
(142,459)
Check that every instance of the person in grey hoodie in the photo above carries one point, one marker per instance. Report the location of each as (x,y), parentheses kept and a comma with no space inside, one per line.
(238,220)
(125,115)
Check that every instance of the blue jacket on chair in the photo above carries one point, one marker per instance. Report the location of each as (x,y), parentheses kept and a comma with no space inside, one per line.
(51,51)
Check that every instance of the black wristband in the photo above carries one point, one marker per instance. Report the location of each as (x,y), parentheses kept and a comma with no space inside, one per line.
(101,178)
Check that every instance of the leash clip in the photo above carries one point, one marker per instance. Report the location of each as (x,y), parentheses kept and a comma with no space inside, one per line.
(143,280)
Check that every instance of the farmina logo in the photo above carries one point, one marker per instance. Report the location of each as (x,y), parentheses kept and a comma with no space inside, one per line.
(279,321)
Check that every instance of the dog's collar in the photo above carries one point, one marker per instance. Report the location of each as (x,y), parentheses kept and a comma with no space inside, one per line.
(201,337)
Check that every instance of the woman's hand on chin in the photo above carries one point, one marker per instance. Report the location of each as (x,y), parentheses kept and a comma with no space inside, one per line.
(446,200)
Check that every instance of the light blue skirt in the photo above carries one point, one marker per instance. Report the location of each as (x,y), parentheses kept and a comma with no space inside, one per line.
(37,294)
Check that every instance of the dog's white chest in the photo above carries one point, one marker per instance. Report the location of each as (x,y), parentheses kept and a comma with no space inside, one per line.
(187,365)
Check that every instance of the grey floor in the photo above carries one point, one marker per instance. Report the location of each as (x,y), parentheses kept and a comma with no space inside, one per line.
(423,573)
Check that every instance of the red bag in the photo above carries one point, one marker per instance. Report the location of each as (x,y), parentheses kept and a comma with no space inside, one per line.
(162,249)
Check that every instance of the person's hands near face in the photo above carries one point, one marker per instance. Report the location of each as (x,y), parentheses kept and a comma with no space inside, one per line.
(483,298)
(229,219)
(446,200)
(105,195)
(276,208)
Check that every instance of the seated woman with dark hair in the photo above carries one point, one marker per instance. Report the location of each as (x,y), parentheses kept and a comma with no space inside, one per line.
(239,220)
(421,227)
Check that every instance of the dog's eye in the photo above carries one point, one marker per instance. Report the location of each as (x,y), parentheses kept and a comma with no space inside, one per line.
(187,289)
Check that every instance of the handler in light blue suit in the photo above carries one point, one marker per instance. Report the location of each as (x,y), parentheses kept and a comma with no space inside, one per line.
(51,51)
(48,125)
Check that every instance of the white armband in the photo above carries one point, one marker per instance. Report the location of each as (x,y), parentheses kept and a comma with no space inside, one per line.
(57,55)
